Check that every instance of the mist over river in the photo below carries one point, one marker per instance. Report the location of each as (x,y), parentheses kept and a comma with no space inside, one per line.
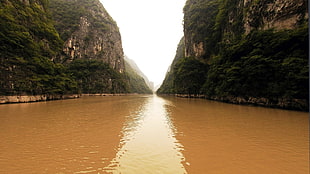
(147,134)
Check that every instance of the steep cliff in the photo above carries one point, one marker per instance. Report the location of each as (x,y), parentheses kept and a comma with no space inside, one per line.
(138,82)
(92,49)
(253,52)
(208,24)
(28,45)
(49,49)
(276,14)
(89,32)
(132,65)
(167,87)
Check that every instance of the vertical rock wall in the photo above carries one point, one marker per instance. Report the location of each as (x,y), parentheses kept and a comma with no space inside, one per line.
(225,20)
(95,36)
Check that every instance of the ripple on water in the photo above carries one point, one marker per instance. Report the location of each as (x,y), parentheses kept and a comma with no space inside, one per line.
(133,134)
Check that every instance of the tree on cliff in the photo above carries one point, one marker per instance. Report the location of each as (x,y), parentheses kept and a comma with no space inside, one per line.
(28,43)
(250,51)
(190,75)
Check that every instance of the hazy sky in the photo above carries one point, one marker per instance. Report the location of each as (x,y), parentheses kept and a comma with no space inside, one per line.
(150,30)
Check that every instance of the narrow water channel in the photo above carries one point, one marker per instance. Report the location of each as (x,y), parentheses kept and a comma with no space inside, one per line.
(151,134)
(148,143)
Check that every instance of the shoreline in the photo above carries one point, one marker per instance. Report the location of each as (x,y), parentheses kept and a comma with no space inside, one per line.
(280,103)
(35,98)
(41,98)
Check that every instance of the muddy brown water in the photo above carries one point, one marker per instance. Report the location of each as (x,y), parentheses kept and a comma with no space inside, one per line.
(149,134)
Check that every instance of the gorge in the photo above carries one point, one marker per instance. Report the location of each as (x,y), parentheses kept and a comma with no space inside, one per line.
(234,51)
(234,54)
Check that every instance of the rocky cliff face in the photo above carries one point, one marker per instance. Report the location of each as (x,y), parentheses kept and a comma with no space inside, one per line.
(167,87)
(89,32)
(277,14)
(59,47)
(207,22)
(244,51)
(29,43)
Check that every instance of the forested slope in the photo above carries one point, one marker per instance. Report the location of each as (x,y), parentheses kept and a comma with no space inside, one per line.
(137,83)
(59,47)
(92,49)
(28,45)
(243,51)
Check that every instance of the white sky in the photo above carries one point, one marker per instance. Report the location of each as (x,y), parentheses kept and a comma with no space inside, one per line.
(150,31)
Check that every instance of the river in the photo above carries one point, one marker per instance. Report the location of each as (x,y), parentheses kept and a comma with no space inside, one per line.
(146,134)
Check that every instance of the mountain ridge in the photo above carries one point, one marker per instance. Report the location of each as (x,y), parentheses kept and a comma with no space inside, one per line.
(137,81)
(133,64)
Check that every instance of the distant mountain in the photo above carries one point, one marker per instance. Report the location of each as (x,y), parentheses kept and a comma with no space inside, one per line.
(241,51)
(133,65)
(138,82)
(167,87)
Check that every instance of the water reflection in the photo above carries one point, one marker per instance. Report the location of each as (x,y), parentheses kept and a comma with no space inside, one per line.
(68,136)
(222,138)
(143,134)
(148,144)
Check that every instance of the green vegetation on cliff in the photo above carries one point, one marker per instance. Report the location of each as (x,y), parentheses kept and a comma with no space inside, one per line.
(239,50)
(136,83)
(28,43)
(30,48)
(266,64)
(189,76)
(96,77)
(67,14)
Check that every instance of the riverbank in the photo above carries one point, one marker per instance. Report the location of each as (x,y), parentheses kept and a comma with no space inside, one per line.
(40,98)
(119,94)
(35,98)
(282,103)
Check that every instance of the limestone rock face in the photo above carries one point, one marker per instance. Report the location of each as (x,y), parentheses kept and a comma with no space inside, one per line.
(207,22)
(244,52)
(277,14)
(91,33)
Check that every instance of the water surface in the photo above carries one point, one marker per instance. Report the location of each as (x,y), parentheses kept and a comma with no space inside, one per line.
(150,134)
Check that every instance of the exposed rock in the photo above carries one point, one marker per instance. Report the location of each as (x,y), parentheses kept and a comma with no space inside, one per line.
(34,98)
(198,49)
(234,19)
(96,37)
(255,52)
(277,14)
(293,104)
